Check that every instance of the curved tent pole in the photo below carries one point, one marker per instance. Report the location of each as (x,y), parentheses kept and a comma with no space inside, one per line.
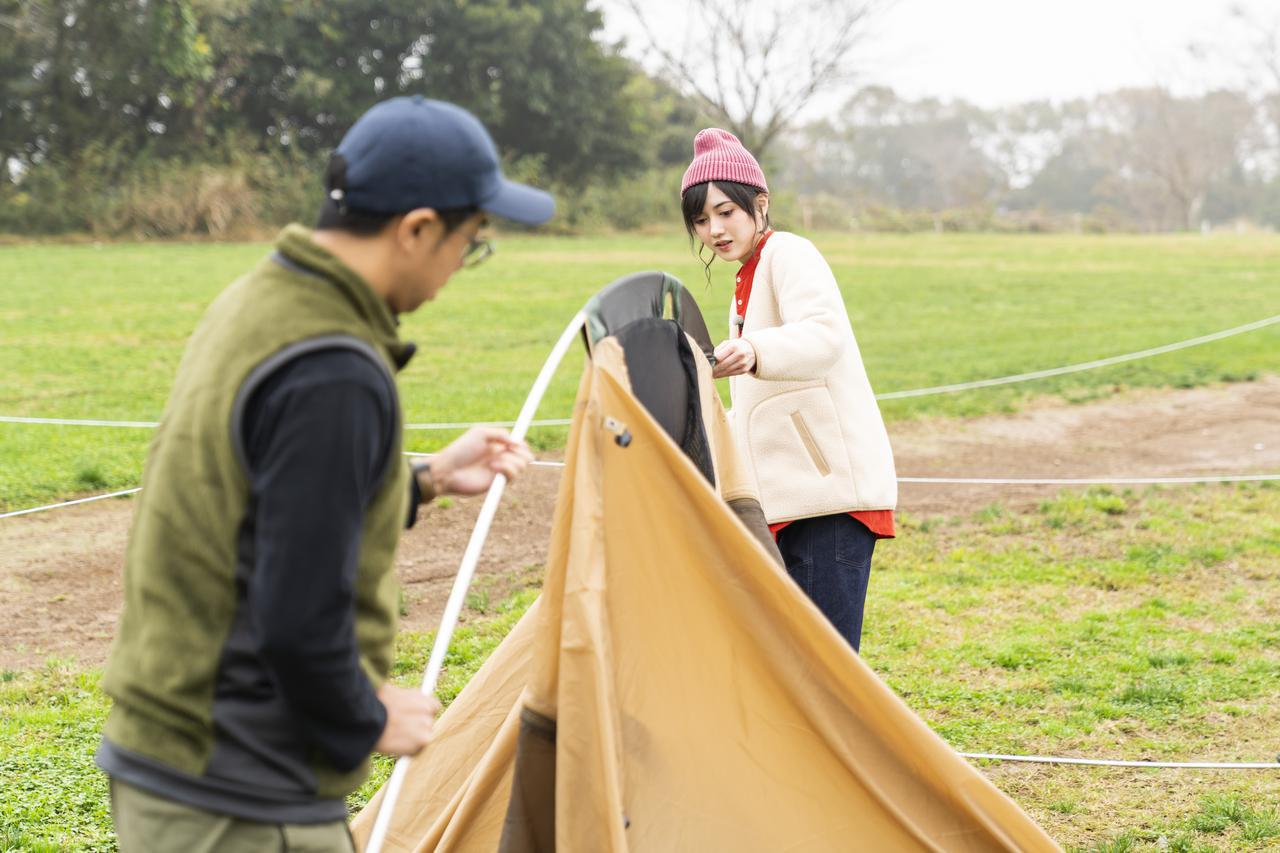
(449,621)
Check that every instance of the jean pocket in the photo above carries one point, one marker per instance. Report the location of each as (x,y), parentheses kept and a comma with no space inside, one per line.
(854,546)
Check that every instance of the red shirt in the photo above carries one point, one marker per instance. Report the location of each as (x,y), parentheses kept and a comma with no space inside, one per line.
(878,521)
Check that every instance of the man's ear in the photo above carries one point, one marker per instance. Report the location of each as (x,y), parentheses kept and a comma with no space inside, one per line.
(422,222)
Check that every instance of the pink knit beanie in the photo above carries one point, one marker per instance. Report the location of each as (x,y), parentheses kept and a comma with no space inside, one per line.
(719,156)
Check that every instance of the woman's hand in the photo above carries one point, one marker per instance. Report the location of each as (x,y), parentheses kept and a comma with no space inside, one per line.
(468,466)
(733,358)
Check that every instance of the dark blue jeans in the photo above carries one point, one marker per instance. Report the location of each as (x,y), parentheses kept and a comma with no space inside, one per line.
(830,558)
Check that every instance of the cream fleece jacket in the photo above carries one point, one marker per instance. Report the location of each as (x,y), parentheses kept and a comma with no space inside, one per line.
(807,421)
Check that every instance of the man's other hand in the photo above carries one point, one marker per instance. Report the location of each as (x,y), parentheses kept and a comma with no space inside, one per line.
(468,466)
(411,715)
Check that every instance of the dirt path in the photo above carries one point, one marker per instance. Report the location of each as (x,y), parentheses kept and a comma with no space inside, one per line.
(60,570)
(1234,429)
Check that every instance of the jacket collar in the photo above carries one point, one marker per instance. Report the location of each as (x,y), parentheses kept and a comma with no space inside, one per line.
(298,251)
(749,266)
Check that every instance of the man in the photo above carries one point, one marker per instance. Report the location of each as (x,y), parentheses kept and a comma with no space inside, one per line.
(248,672)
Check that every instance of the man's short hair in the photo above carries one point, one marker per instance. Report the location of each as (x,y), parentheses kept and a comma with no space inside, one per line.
(333,217)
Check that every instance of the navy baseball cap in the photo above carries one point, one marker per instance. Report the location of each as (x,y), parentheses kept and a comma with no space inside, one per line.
(412,152)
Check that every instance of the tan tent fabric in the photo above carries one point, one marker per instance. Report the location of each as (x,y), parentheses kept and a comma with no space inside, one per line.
(732,478)
(702,703)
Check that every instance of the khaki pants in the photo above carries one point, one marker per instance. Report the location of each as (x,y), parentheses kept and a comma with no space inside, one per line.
(146,823)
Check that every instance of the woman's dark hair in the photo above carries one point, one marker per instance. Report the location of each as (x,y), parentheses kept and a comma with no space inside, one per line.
(695,199)
(366,224)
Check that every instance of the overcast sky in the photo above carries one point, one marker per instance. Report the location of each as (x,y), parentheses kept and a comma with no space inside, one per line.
(995,52)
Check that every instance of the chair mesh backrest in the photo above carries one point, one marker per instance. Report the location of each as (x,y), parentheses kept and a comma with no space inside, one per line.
(660,362)
(641,295)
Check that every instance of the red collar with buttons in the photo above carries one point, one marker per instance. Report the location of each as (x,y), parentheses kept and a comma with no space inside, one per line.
(742,287)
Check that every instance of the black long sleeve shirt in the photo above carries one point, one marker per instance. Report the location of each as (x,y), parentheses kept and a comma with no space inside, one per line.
(318,436)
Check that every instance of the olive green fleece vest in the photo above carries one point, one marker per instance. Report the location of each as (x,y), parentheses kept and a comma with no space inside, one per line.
(180,565)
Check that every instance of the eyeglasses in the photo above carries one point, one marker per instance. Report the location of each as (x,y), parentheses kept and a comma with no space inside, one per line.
(477,252)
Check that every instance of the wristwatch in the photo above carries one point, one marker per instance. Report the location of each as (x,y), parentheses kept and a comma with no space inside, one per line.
(426,482)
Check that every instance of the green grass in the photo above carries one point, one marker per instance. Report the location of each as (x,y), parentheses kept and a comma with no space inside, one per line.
(96,331)
(51,723)
(1135,624)
(1115,623)
(1132,614)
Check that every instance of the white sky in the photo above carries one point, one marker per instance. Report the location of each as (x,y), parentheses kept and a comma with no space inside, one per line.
(996,52)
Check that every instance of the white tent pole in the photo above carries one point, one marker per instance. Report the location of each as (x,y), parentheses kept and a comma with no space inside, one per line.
(468,569)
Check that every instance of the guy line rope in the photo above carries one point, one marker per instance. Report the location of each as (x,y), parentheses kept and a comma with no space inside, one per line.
(525,421)
(1106,762)
(954,481)
(984,756)
(891,395)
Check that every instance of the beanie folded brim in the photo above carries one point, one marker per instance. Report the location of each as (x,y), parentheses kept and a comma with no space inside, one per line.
(719,156)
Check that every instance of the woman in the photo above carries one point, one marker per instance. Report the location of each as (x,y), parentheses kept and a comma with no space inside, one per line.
(804,415)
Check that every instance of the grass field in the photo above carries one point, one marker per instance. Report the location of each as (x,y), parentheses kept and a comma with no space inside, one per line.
(1135,625)
(1116,624)
(97,331)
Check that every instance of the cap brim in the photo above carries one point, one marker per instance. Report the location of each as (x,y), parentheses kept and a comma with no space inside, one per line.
(520,203)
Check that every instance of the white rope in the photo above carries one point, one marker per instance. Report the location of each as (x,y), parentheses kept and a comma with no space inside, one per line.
(551,422)
(7,419)
(69,503)
(1018,481)
(1036,759)
(1102,762)
(537,463)
(1088,481)
(462,425)
(955,481)
(1075,368)
(79,422)
(891,395)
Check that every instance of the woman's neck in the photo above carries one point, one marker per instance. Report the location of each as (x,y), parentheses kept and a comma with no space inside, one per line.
(755,247)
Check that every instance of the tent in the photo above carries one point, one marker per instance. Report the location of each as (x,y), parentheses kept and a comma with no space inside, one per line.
(672,688)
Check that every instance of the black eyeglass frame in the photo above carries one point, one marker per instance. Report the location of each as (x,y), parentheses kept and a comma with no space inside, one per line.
(479,249)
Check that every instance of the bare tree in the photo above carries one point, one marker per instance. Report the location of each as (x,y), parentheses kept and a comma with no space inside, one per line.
(1263,39)
(1165,154)
(1248,48)
(1262,73)
(1251,47)
(755,65)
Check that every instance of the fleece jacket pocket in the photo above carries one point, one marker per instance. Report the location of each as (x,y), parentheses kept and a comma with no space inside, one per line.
(797,449)
(811,446)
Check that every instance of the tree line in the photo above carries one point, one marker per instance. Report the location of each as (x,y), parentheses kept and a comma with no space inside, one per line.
(1135,159)
(135,109)
(180,117)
